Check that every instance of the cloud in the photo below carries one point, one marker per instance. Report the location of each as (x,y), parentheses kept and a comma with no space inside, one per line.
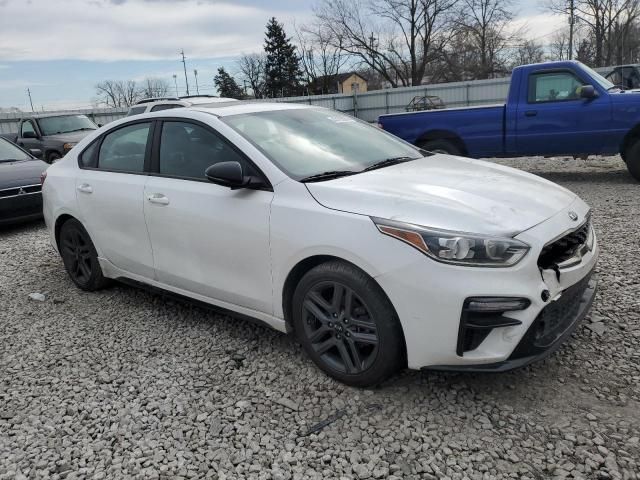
(109,30)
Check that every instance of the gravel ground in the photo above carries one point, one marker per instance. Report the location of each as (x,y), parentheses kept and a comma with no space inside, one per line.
(127,384)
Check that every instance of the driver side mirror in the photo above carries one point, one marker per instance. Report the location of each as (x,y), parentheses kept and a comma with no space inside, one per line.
(29,135)
(587,91)
(230,174)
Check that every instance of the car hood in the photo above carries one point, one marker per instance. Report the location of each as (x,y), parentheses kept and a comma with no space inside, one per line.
(70,137)
(18,174)
(448,192)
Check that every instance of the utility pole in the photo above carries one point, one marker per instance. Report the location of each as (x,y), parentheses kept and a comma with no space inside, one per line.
(184,64)
(175,81)
(572,21)
(195,74)
(30,101)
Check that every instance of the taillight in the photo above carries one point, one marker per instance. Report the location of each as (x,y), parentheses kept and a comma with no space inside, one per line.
(43,177)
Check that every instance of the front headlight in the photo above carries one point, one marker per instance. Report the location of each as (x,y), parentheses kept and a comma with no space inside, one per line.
(458,248)
(69,146)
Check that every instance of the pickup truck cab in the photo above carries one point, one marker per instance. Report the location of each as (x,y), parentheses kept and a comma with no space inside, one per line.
(555,108)
(51,136)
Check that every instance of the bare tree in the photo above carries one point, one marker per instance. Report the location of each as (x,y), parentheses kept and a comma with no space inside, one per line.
(118,93)
(559,46)
(252,68)
(608,24)
(484,27)
(528,51)
(396,38)
(155,87)
(321,57)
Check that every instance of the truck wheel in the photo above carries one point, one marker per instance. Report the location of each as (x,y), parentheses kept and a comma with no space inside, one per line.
(632,158)
(441,146)
(53,156)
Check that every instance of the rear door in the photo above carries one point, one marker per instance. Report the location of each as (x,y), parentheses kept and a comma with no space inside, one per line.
(110,193)
(207,239)
(553,119)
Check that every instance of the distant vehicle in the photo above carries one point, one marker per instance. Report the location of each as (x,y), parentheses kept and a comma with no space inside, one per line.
(51,135)
(376,254)
(626,77)
(20,187)
(425,102)
(555,108)
(157,104)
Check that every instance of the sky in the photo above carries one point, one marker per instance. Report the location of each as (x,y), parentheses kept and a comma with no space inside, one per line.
(59,49)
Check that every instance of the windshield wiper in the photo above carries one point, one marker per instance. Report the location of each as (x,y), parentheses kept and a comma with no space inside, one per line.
(388,162)
(319,177)
(79,129)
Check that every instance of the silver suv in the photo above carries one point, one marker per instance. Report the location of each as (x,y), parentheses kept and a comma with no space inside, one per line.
(165,103)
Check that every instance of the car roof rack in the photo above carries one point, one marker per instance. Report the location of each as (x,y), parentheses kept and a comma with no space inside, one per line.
(156,99)
(197,96)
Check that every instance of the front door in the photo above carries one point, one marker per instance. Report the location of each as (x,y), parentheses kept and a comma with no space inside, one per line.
(110,195)
(556,120)
(207,239)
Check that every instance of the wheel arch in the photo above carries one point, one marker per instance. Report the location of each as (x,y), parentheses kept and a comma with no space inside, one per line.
(627,141)
(305,265)
(443,135)
(61,220)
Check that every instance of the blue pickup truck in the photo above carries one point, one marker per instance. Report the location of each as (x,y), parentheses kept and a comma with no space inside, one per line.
(555,108)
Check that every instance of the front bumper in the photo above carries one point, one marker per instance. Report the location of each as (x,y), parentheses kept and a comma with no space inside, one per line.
(547,333)
(429,297)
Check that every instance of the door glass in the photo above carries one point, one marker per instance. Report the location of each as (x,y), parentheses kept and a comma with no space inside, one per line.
(187,150)
(554,87)
(27,127)
(165,106)
(124,149)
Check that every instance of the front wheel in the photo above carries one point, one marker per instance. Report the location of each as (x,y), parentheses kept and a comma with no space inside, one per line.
(632,158)
(347,325)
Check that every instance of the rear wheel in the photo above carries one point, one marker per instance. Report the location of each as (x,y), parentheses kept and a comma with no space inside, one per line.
(632,158)
(347,325)
(441,146)
(80,257)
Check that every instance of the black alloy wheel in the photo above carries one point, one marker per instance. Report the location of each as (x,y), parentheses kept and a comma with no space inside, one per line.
(347,325)
(340,327)
(80,257)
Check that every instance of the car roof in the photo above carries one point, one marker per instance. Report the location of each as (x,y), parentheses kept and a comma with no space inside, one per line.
(49,115)
(244,107)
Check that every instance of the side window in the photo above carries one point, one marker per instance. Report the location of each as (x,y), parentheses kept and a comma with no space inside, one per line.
(87,158)
(554,87)
(187,150)
(124,149)
(165,106)
(27,127)
(615,77)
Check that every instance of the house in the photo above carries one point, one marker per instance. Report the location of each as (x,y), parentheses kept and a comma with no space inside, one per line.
(341,83)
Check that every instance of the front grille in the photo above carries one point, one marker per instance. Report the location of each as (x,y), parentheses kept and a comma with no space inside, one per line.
(565,247)
(552,321)
(15,191)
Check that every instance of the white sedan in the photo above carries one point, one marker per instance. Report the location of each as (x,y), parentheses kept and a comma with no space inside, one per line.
(376,254)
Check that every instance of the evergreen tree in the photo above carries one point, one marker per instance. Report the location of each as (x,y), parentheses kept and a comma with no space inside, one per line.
(282,66)
(226,85)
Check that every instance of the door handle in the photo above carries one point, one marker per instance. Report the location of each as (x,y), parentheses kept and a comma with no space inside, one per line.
(85,188)
(158,199)
(531,113)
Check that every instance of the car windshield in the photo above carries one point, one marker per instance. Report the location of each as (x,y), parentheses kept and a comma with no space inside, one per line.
(603,82)
(9,152)
(307,142)
(65,124)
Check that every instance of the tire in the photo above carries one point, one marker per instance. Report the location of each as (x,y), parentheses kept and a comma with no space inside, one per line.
(632,159)
(53,156)
(441,146)
(80,257)
(362,347)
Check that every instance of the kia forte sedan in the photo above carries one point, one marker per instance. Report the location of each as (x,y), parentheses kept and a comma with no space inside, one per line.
(376,254)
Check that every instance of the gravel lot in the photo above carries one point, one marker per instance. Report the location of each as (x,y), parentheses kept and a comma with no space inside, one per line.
(127,384)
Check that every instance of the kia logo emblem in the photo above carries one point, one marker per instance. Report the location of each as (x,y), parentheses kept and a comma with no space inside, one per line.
(573,216)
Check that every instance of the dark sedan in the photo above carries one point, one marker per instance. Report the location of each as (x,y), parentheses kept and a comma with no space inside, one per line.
(20,187)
